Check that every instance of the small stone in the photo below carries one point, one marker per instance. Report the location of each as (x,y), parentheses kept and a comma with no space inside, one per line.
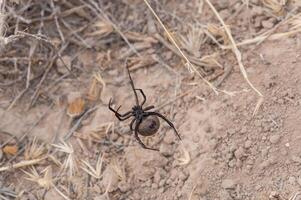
(154,186)
(239,163)
(183,176)
(264,164)
(123,186)
(166,150)
(232,163)
(239,153)
(274,195)
(162,183)
(274,139)
(228,184)
(114,136)
(243,130)
(248,144)
(296,159)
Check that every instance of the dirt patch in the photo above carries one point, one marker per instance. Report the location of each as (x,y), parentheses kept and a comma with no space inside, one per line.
(63,61)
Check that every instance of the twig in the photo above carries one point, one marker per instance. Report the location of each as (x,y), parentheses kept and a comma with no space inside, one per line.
(24,163)
(74,32)
(238,57)
(76,125)
(190,66)
(16,99)
(112,24)
(50,65)
(58,27)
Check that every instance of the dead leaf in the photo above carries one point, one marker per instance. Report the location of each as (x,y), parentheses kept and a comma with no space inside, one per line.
(10,149)
(76,107)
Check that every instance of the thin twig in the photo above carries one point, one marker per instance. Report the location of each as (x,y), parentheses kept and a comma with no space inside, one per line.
(188,63)
(24,163)
(111,23)
(76,125)
(238,56)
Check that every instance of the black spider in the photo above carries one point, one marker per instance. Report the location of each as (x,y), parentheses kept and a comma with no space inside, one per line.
(146,123)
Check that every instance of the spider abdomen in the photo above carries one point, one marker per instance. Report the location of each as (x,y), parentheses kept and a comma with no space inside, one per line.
(149,125)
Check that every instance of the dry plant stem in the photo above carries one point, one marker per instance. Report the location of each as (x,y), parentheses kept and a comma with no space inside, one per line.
(76,125)
(112,24)
(238,56)
(74,32)
(58,27)
(16,99)
(170,47)
(50,65)
(190,65)
(22,164)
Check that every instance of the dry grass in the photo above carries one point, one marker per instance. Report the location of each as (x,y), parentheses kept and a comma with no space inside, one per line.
(70,162)
(32,49)
(96,171)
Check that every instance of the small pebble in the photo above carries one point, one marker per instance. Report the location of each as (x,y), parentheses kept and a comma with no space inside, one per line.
(228,184)
(274,139)
(239,153)
(248,144)
(166,150)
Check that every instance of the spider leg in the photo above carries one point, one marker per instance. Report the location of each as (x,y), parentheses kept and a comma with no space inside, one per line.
(148,108)
(131,124)
(167,121)
(139,140)
(144,97)
(121,117)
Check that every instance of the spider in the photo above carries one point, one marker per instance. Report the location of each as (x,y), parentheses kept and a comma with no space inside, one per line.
(146,122)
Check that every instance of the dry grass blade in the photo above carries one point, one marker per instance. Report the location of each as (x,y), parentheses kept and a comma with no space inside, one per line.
(294,197)
(22,164)
(277,6)
(94,172)
(69,164)
(118,169)
(193,41)
(45,182)
(238,57)
(34,150)
(101,29)
(218,32)
(188,64)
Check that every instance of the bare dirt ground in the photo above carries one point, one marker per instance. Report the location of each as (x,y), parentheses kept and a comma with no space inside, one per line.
(62,61)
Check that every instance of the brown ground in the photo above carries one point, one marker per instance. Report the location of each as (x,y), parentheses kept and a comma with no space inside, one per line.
(226,152)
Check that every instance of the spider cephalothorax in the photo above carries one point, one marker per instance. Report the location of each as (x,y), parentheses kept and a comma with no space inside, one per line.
(145,122)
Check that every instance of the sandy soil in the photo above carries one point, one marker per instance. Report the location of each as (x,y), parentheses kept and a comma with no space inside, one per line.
(226,152)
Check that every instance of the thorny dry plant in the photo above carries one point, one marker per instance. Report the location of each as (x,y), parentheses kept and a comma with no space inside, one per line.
(193,41)
(118,169)
(45,181)
(34,150)
(96,171)
(69,165)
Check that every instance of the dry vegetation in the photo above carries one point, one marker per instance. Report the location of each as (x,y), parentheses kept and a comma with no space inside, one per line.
(63,60)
